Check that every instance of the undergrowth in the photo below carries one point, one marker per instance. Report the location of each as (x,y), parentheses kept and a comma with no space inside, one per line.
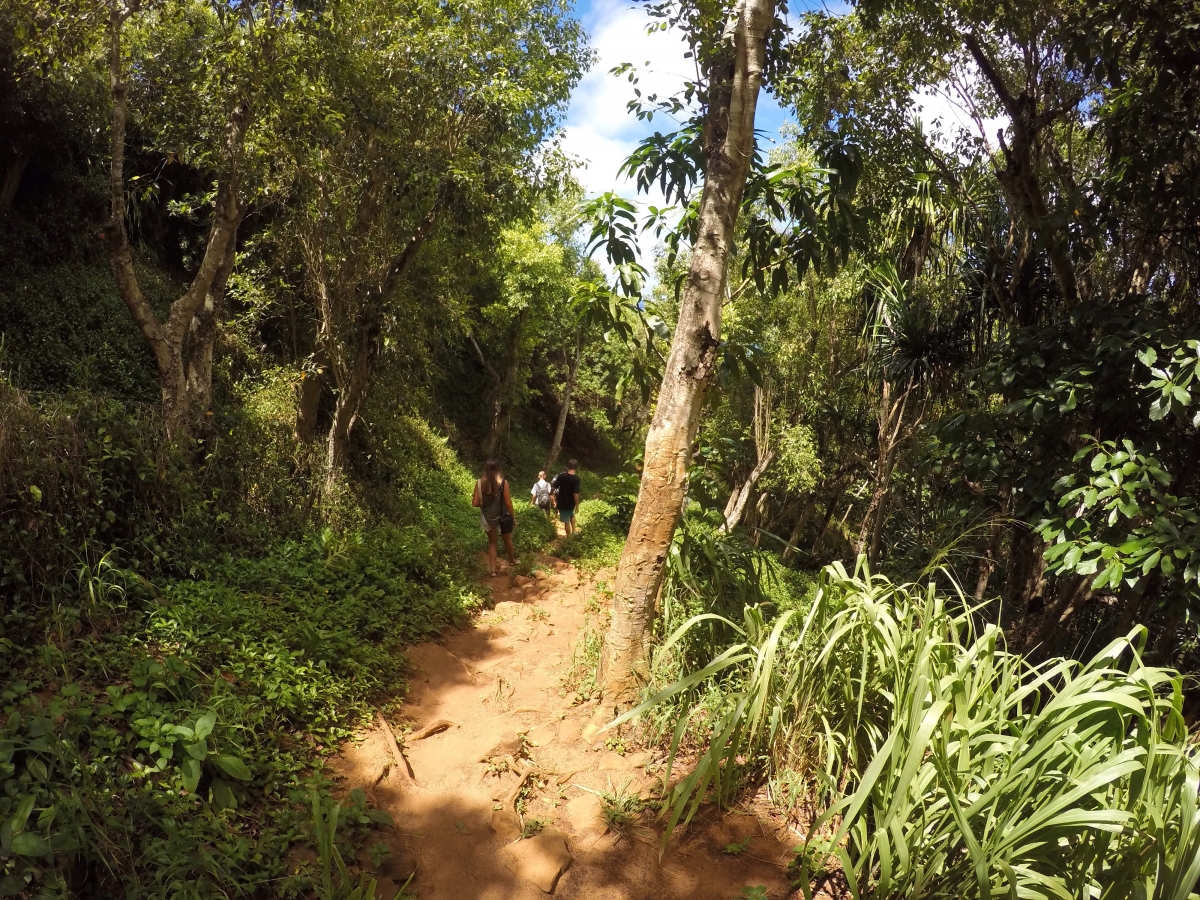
(188,634)
(932,761)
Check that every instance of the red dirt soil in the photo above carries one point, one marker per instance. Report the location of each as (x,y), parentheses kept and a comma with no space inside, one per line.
(500,682)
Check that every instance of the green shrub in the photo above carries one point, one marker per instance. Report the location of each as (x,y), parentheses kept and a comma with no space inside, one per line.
(598,538)
(940,764)
(187,632)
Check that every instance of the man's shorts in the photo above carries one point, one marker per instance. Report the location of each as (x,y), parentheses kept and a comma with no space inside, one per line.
(566,515)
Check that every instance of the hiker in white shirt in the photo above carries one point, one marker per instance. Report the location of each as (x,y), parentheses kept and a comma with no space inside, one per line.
(540,494)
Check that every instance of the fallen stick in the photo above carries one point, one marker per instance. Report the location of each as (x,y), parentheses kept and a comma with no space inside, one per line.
(431,729)
(511,798)
(397,754)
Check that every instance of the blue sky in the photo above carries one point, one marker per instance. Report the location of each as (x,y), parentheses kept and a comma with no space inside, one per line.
(599,130)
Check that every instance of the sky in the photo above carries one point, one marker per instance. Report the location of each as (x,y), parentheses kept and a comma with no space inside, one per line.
(600,131)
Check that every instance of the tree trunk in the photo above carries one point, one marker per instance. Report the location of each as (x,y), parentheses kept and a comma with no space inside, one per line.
(202,334)
(891,435)
(736,507)
(565,409)
(506,390)
(351,351)
(185,381)
(729,145)
(1019,176)
(351,392)
(12,180)
(308,403)
(797,530)
(987,565)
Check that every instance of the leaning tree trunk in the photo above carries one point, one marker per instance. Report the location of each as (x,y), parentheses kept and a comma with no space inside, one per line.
(350,352)
(12,179)
(308,400)
(797,530)
(691,365)
(352,383)
(736,507)
(182,344)
(565,409)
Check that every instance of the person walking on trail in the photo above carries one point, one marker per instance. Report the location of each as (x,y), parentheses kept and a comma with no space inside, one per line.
(496,514)
(566,487)
(540,494)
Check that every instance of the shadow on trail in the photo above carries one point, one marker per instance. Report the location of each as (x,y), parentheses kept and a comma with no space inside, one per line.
(499,682)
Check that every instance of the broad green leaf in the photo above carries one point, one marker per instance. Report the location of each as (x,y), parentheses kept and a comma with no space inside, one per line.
(232,766)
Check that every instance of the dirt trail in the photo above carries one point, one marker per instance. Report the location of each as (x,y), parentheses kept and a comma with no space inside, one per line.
(500,682)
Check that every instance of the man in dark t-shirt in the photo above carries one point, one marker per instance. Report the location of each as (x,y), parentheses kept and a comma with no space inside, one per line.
(565,487)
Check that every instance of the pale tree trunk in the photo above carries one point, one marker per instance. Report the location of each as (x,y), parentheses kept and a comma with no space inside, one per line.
(565,409)
(182,345)
(797,530)
(729,144)
(202,335)
(735,508)
(739,499)
(892,428)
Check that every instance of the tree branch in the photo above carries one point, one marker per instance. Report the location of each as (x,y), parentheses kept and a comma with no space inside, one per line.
(491,370)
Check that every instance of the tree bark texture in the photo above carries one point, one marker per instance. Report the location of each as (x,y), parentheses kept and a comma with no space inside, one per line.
(565,409)
(1019,177)
(735,508)
(991,555)
(182,344)
(729,144)
(797,531)
(352,301)
(308,401)
(892,432)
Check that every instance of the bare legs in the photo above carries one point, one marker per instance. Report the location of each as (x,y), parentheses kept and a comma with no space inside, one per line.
(508,549)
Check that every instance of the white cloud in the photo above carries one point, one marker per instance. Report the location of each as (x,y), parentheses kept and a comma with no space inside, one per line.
(600,131)
(947,109)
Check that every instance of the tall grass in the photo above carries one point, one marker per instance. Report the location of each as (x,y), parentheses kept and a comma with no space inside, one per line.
(938,764)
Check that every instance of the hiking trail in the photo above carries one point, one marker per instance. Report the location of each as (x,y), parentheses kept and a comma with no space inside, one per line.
(492,722)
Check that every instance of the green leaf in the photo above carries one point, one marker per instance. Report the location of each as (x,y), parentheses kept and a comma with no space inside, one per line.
(21,816)
(205,725)
(222,795)
(30,844)
(232,766)
(198,750)
(191,774)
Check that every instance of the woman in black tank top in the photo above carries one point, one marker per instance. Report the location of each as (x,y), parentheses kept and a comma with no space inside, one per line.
(496,514)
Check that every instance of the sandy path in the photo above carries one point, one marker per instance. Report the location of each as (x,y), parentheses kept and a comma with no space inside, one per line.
(496,680)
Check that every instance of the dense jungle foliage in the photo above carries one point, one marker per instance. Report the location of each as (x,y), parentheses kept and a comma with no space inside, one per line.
(276,277)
